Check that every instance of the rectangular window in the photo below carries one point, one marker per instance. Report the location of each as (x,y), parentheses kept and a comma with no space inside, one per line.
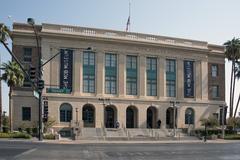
(215,91)
(88,72)
(214,70)
(27,55)
(26,113)
(110,73)
(171,88)
(170,78)
(131,75)
(188,79)
(151,76)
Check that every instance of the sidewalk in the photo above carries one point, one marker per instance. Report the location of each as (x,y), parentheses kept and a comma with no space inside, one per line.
(68,141)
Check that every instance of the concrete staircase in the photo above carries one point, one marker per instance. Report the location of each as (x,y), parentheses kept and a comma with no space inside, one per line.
(130,134)
(90,134)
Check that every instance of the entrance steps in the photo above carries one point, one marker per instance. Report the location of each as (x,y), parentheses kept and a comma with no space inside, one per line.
(90,134)
(122,134)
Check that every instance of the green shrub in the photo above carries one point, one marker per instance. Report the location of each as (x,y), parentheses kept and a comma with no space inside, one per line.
(21,135)
(232,137)
(15,135)
(49,136)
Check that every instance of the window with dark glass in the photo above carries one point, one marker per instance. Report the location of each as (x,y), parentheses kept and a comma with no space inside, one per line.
(88,72)
(110,73)
(189,116)
(151,76)
(65,113)
(26,113)
(215,91)
(131,75)
(27,55)
(170,78)
(214,71)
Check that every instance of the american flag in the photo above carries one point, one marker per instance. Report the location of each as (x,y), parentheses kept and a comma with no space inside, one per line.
(128,24)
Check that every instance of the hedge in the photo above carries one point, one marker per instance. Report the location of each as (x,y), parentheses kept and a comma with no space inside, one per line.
(15,135)
(49,136)
(232,137)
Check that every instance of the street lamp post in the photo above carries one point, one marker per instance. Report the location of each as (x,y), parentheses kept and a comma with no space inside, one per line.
(223,107)
(189,116)
(40,134)
(174,115)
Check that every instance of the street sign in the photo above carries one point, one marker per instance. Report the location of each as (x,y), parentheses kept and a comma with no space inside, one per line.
(35,94)
(59,90)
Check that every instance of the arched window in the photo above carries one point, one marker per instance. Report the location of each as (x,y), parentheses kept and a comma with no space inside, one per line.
(65,112)
(189,116)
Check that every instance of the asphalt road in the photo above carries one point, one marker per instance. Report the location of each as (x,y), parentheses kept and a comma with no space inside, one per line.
(44,151)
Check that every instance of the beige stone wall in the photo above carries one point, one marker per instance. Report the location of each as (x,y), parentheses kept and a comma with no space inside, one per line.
(50,45)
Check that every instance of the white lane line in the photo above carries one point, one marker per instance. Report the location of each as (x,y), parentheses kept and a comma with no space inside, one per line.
(25,153)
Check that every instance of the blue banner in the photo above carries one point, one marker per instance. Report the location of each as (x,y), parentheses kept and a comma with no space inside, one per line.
(66,69)
(188,79)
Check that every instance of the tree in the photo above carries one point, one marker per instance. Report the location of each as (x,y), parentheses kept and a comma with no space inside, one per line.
(13,76)
(237,74)
(4,34)
(211,122)
(232,53)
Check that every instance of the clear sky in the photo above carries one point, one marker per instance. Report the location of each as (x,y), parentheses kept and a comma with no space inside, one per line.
(215,21)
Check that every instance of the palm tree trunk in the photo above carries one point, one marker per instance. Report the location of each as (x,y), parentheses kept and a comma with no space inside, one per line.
(231,83)
(10,109)
(233,92)
(236,108)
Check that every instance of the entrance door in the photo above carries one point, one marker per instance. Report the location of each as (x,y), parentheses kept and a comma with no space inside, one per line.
(170,118)
(88,116)
(130,118)
(149,118)
(110,121)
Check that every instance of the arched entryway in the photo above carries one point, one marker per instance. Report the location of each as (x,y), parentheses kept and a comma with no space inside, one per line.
(170,118)
(65,112)
(131,117)
(189,116)
(152,117)
(88,115)
(110,116)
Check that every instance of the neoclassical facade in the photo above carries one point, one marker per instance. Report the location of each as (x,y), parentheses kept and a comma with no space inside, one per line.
(103,78)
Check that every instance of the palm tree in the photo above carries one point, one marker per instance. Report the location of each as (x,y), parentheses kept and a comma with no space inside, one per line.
(13,76)
(4,34)
(232,53)
(237,74)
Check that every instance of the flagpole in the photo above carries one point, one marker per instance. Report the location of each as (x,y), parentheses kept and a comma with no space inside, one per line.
(129,13)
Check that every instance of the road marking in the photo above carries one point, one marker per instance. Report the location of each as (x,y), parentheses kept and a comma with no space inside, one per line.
(25,153)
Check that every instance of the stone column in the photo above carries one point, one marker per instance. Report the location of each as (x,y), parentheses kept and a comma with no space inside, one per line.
(142,76)
(121,75)
(55,69)
(99,115)
(100,74)
(180,79)
(77,74)
(198,79)
(204,79)
(142,117)
(161,77)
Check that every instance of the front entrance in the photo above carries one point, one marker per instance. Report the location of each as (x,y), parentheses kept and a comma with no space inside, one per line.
(110,117)
(170,118)
(131,117)
(151,117)
(88,115)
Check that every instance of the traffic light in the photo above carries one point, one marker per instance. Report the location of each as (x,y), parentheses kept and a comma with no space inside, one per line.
(32,73)
(45,111)
(40,84)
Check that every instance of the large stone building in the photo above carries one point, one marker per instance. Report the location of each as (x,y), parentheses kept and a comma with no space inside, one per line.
(104,76)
